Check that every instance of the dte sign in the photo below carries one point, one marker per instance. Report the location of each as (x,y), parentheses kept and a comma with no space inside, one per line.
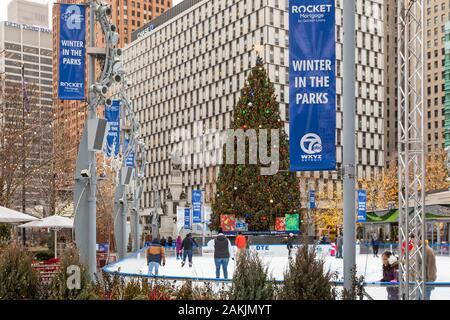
(262,248)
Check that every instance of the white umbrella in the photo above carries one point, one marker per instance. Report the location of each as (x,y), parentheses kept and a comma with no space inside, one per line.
(51,222)
(13,216)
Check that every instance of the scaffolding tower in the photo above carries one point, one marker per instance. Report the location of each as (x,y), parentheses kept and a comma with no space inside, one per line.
(411,147)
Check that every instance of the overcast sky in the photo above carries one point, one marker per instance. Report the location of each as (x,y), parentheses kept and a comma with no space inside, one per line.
(4,6)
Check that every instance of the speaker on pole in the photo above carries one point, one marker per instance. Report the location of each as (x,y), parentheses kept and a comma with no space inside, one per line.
(96,129)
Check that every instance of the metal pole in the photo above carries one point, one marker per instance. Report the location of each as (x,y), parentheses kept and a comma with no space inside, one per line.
(23,152)
(349,142)
(92,196)
(56,242)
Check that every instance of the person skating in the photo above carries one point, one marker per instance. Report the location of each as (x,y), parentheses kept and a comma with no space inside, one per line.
(290,244)
(430,269)
(241,244)
(163,241)
(390,274)
(155,256)
(169,241)
(178,249)
(375,244)
(223,250)
(339,245)
(187,246)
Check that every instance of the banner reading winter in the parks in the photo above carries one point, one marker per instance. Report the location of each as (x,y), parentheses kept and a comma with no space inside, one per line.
(196,206)
(312,85)
(72,51)
(112,115)
(129,161)
(228,222)
(362,200)
(187,218)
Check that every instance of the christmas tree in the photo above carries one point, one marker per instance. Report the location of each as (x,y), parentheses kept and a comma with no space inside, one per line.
(241,189)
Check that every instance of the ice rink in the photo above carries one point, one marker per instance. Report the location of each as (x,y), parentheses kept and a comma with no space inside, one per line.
(276,260)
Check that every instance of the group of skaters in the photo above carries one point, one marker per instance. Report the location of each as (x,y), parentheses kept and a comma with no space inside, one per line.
(223,252)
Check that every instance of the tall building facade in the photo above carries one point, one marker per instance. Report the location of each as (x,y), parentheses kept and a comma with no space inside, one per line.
(390,81)
(189,65)
(28,47)
(28,12)
(70,116)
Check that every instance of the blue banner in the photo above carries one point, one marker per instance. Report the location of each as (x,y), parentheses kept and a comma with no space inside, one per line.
(72,52)
(312,85)
(129,161)
(187,218)
(196,206)
(112,115)
(362,200)
(312,199)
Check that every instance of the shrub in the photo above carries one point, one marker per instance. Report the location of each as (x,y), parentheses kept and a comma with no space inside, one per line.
(59,289)
(18,280)
(5,232)
(306,279)
(357,290)
(251,279)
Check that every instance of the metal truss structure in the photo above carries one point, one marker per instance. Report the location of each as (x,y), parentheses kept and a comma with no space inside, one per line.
(411,147)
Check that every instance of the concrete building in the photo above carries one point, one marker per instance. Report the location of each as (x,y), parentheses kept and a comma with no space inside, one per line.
(28,12)
(70,116)
(390,74)
(29,47)
(188,67)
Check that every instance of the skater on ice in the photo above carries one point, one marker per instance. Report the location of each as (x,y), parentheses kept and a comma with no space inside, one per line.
(223,250)
(375,244)
(187,246)
(430,269)
(156,256)
(178,249)
(339,246)
(241,244)
(390,274)
(290,244)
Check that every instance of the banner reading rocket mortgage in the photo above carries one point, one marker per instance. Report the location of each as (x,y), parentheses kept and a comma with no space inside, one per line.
(312,85)
(72,51)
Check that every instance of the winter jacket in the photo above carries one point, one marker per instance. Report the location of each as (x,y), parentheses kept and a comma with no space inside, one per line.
(430,265)
(339,241)
(178,244)
(222,248)
(156,253)
(375,242)
(290,242)
(188,243)
(241,242)
(390,274)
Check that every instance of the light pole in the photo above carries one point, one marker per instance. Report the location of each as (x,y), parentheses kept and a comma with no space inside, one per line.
(349,142)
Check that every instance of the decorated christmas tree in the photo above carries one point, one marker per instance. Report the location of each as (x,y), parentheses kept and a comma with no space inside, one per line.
(242,191)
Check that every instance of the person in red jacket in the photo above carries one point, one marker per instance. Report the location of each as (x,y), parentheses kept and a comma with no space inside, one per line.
(412,239)
(241,244)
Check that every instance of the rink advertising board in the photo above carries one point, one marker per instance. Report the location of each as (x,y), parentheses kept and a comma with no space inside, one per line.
(72,52)
(312,199)
(196,206)
(312,85)
(112,116)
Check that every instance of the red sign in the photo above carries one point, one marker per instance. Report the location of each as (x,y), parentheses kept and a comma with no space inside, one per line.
(228,222)
(280,224)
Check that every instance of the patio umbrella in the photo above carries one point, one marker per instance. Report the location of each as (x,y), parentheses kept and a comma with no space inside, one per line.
(12,216)
(51,222)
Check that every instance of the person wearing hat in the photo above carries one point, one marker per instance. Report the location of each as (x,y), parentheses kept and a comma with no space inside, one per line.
(390,274)
(290,244)
(223,250)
